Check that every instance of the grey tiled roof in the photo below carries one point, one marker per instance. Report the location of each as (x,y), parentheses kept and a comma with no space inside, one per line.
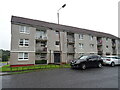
(38,23)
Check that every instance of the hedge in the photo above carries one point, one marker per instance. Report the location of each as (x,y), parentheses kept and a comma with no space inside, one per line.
(40,61)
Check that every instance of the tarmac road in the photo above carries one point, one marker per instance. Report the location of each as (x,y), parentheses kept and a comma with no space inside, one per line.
(105,77)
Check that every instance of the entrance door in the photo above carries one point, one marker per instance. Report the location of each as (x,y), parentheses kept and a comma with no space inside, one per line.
(56,57)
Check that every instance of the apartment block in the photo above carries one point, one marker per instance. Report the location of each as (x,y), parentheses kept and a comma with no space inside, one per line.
(34,40)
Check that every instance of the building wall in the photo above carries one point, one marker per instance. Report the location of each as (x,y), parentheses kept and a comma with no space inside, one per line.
(105,44)
(14,59)
(86,41)
(15,48)
(118,46)
(69,51)
(16,36)
(52,38)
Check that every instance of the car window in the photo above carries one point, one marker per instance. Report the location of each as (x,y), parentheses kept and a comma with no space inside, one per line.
(83,57)
(118,57)
(92,57)
(112,57)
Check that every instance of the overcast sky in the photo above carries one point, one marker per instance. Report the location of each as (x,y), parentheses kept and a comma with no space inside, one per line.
(98,15)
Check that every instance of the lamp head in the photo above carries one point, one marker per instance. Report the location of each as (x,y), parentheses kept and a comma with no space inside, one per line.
(63,5)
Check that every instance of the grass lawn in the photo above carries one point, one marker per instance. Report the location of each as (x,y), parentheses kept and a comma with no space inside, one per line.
(3,62)
(7,68)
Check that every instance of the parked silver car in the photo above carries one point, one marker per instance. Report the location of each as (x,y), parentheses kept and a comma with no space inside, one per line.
(111,60)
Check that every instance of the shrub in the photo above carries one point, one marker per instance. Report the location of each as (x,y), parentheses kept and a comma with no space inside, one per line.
(40,61)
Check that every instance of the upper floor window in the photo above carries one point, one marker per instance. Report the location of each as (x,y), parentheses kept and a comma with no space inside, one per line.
(57,32)
(81,36)
(57,43)
(24,42)
(41,34)
(22,56)
(107,39)
(91,37)
(81,45)
(24,29)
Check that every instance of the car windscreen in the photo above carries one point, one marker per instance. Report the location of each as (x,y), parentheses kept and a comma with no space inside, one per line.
(83,57)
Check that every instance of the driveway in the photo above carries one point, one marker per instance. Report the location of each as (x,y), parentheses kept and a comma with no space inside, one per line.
(106,77)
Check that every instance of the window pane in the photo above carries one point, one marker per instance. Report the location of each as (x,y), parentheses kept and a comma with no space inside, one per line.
(20,56)
(21,42)
(57,43)
(81,36)
(26,42)
(25,55)
(21,28)
(27,30)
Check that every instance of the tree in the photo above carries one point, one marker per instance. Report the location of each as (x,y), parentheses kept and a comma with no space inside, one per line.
(5,54)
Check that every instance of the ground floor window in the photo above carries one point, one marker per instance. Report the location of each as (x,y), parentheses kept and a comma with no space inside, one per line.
(22,56)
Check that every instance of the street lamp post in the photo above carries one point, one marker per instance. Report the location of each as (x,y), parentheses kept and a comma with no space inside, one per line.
(58,12)
(59,31)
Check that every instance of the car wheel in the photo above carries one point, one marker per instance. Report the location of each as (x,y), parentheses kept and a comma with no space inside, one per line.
(99,65)
(83,66)
(112,64)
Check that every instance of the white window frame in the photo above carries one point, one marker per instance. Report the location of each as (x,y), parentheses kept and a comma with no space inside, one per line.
(81,45)
(23,56)
(24,29)
(81,36)
(24,42)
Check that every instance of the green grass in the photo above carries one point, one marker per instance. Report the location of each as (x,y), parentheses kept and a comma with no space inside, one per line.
(3,62)
(7,68)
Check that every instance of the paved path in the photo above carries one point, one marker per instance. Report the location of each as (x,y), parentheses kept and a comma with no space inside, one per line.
(106,77)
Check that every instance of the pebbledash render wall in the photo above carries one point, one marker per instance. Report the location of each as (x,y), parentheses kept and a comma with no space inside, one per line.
(72,42)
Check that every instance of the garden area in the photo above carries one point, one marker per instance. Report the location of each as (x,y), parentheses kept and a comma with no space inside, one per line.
(7,68)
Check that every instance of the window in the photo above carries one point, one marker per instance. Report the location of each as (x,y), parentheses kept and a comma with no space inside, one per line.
(57,43)
(43,55)
(40,34)
(92,45)
(22,56)
(24,42)
(81,45)
(81,36)
(57,32)
(91,37)
(107,46)
(107,39)
(24,29)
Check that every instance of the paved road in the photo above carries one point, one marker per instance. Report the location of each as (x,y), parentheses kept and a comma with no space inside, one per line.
(106,77)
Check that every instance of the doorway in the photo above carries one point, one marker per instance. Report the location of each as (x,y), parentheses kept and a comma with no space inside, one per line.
(56,57)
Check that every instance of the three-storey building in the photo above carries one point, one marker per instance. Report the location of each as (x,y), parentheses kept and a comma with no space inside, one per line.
(33,40)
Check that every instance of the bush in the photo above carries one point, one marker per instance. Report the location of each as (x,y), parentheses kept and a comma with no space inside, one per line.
(40,61)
